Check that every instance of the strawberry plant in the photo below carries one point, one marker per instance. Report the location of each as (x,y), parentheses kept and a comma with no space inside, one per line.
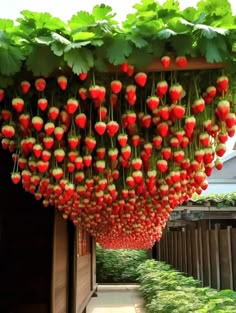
(96,132)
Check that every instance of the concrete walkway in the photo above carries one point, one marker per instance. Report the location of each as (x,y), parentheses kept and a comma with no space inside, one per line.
(116,299)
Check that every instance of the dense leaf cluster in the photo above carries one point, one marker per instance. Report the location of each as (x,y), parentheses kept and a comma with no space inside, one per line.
(40,43)
(118,266)
(218,200)
(168,291)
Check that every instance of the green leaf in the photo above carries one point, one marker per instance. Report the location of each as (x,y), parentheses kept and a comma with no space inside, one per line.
(102,12)
(60,38)
(57,48)
(138,41)
(44,40)
(42,61)
(171,5)
(80,60)
(6,24)
(208,31)
(81,20)
(140,59)
(166,33)
(83,36)
(75,45)
(179,25)
(215,50)
(118,50)
(10,60)
(182,44)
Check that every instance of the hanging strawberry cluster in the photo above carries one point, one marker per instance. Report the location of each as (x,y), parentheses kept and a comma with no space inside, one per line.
(117,153)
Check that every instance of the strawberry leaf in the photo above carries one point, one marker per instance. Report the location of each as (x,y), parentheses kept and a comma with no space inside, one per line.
(103,12)
(118,50)
(50,61)
(215,50)
(141,58)
(80,60)
(83,36)
(81,20)
(60,38)
(44,40)
(208,31)
(10,60)
(182,44)
(138,41)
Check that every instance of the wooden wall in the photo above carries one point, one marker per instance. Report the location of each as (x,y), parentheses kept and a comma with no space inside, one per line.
(60,266)
(25,247)
(207,254)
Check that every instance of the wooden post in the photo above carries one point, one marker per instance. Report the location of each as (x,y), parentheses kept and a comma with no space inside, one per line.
(229,240)
(180,251)
(167,247)
(185,267)
(176,249)
(208,256)
(159,251)
(217,256)
(197,254)
(189,247)
(172,248)
(200,254)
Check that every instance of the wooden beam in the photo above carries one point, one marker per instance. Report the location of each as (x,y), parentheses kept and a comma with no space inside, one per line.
(208,257)
(229,241)
(217,255)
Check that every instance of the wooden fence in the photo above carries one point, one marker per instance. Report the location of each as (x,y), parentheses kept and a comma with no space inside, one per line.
(207,254)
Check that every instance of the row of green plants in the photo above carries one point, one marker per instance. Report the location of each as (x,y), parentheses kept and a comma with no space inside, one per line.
(118,266)
(169,291)
(218,200)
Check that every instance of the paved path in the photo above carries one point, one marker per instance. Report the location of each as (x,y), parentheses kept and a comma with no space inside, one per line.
(116,299)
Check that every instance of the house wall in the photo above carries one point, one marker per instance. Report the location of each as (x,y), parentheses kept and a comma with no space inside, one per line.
(26,232)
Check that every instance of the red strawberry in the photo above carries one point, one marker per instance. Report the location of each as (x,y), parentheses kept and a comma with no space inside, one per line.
(135,140)
(231,131)
(46,155)
(161,88)
(218,164)
(124,67)
(101,152)
(220,149)
(122,139)
(204,139)
(166,153)
(198,106)
(174,142)
(37,123)
(165,60)
(181,61)
(18,104)
(141,79)
(59,133)
(48,142)
(222,83)
(177,112)
(100,128)
(137,164)
(199,177)
(146,121)
(138,176)
(79,163)
(40,84)
(199,155)
(130,70)
(113,153)
(42,166)
(59,154)
(101,94)
(164,112)
(148,148)
(94,91)
(223,109)
(5,143)
(42,104)
(163,129)
(230,120)
(162,166)
(62,82)
(49,128)
(90,142)
(81,120)
(37,150)
(73,142)
(130,91)
(70,167)
(131,118)
(190,123)
(175,92)
(102,112)
(83,76)
(112,128)
(153,102)
(2,94)
(207,98)
(25,86)
(83,93)
(222,137)
(57,173)
(130,181)
(211,91)
(6,115)
(15,177)
(87,160)
(116,86)
(53,113)
(24,120)
(126,152)
(71,105)
(157,141)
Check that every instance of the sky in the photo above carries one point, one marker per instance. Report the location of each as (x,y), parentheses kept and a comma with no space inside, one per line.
(65,9)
